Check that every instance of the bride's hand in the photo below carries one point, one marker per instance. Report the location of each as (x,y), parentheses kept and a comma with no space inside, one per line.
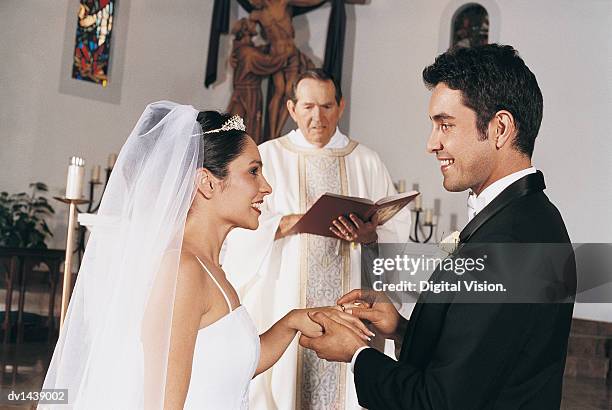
(299,320)
(309,328)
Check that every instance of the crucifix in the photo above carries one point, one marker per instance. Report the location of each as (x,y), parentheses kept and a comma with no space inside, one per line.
(280,60)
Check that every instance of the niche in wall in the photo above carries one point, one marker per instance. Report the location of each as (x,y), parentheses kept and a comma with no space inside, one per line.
(470,26)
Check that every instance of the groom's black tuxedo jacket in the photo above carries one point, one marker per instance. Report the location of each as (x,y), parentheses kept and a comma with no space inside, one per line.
(481,356)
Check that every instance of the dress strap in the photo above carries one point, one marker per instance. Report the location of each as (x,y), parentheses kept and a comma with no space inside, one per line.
(229,305)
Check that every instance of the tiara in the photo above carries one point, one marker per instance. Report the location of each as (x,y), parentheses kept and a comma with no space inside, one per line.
(234,123)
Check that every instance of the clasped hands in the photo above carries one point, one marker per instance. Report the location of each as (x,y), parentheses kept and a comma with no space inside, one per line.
(337,341)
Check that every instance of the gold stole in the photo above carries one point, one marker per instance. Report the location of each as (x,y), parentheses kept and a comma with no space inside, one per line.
(324,273)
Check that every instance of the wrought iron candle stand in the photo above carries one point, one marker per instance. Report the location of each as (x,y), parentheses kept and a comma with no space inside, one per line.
(419,227)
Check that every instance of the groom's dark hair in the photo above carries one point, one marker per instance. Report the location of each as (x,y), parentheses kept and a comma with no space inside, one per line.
(219,148)
(492,77)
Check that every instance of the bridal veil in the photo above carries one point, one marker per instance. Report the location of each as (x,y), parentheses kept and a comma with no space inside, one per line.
(112,351)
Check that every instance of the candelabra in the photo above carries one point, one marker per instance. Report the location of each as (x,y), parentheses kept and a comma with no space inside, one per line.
(419,227)
(400,186)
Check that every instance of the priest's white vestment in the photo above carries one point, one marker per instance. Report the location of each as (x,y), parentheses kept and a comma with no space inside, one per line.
(273,277)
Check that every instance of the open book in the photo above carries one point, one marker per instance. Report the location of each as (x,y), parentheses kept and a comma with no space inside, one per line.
(328,207)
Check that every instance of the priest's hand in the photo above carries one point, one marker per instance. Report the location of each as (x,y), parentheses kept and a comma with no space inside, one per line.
(355,230)
(337,344)
(287,222)
(376,308)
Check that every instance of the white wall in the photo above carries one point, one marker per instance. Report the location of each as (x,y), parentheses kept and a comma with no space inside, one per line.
(567,44)
(160,50)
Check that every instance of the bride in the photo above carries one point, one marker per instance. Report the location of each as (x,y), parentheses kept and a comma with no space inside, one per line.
(153,322)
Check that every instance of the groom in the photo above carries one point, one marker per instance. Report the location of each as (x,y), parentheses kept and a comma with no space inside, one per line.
(486,109)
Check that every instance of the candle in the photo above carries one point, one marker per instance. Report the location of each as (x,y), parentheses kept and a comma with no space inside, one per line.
(401,186)
(95,174)
(76,175)
(418,202)
(112,158)
(437,206)
(428,216)
(454,222)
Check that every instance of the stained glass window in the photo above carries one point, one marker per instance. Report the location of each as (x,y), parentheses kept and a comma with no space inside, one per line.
(470,26)
(93,40)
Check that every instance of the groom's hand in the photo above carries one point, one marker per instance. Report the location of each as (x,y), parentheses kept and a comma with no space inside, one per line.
(376,308)
(337,344)
(299,319)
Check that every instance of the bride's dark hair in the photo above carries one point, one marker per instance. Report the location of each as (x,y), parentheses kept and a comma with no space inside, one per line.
(219,148)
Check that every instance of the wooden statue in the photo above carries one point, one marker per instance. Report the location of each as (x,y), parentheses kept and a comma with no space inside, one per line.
(280,59)
(274,17)
(251,65)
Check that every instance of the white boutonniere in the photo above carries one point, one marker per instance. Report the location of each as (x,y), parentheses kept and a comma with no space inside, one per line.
(450,243)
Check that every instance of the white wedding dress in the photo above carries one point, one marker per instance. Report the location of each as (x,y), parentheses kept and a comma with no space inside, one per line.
(113,348)
(225,358)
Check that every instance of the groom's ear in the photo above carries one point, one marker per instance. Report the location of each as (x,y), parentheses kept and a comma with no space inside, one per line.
(502,129)
(207,183)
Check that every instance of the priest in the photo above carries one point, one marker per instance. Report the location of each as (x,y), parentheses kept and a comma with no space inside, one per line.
(276,270)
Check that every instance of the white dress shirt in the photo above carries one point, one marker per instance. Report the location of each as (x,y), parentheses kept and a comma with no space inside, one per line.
(476,203)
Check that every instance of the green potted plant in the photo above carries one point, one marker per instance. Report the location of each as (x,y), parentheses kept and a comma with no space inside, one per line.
(22,218)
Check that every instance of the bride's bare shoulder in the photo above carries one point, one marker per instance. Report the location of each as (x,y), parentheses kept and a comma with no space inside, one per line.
(190,274)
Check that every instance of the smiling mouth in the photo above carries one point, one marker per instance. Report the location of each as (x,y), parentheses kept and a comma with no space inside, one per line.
(446,163)
(257,206)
